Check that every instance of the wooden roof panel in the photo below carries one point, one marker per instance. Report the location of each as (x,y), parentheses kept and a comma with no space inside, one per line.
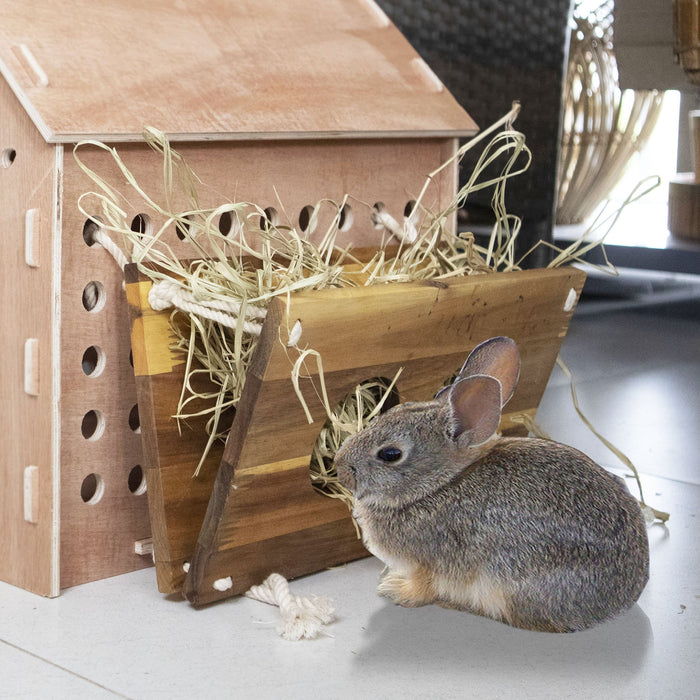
(219,69)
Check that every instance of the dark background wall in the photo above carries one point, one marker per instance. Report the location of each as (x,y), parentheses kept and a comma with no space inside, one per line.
(489,53)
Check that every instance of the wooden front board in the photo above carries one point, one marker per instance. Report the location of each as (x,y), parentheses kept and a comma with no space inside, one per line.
(263,514)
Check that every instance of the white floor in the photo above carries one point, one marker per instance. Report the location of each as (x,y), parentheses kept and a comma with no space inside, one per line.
(639,381)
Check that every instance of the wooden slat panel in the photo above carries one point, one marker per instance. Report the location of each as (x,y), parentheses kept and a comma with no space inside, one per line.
(427,329)
(177,501)
(220,70)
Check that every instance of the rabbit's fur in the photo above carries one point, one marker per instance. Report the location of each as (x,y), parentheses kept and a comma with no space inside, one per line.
(526,531)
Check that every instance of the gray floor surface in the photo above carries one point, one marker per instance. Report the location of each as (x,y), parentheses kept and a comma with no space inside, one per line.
(637,370)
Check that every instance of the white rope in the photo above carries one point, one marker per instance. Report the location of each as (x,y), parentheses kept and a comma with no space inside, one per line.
(382,219)
(167,293)
(99,236)
(302,618)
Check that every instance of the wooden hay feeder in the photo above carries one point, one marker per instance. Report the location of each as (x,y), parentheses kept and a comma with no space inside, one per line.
(269,102)
(253,510)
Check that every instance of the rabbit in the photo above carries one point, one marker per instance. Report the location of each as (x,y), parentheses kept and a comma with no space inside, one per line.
(526,531)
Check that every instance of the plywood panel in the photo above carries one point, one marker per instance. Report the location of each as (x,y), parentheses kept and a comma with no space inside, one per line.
(97,537)
(286,175)
(262,500)
(220,70)
(28,545)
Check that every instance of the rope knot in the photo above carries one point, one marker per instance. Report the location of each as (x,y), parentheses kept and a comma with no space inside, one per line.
(302,618)
(163,294)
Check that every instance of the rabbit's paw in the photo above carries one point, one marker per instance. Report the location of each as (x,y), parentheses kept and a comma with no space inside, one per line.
(410,590)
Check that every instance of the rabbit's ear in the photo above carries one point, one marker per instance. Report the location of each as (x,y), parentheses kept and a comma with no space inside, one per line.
(475,407)
(499,358)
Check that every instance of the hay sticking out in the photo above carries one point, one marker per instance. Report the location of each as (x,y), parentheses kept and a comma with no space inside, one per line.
(351,415)
(238,271)
(266,258)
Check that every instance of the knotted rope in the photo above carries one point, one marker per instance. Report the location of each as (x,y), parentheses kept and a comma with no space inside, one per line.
(302,618)
(168,292)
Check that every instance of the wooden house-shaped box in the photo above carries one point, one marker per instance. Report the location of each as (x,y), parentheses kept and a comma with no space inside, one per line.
(269,102)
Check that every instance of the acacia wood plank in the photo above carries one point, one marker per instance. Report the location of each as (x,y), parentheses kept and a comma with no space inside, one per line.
(263,488)
(220,70)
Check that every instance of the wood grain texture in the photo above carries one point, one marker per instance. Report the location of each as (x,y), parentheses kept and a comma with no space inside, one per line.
(177,500)
(286,175)
(220,70)
(268,174)
(262,493)
(28,550)
(372,170)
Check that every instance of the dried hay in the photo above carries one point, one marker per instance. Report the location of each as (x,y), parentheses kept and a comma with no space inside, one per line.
(223,291)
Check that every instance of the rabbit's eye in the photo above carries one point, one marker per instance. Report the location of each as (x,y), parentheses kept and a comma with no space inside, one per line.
(390,454)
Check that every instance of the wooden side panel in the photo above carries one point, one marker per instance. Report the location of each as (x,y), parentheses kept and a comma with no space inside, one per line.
(104,508)
(221,70)
(28,515)
(262,498)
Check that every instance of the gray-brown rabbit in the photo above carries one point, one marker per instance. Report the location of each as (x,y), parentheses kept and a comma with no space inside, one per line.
(526,531)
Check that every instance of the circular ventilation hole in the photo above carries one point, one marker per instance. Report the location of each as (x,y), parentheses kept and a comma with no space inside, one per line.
(141,224)
(307,223)
(137,481)
(345,218)
(410,206)
(269,219)
(93,425)
(184,228)
(225,223)
(134,422)
(93,361)
(377,210)
(94,297)
(90,230)
(8,157)
(92,489)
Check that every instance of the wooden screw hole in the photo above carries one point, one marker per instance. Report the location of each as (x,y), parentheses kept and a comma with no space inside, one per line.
(92,489)
(229,224)
(93,361)
(8,157)
(94,296)
(141,224)
(269,219)
(184,228)
(90,229)
(307,223)
(137,481)
(93,425)
(345,218)
(134,422)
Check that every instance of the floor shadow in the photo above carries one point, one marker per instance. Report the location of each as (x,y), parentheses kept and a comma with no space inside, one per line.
(432,636)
